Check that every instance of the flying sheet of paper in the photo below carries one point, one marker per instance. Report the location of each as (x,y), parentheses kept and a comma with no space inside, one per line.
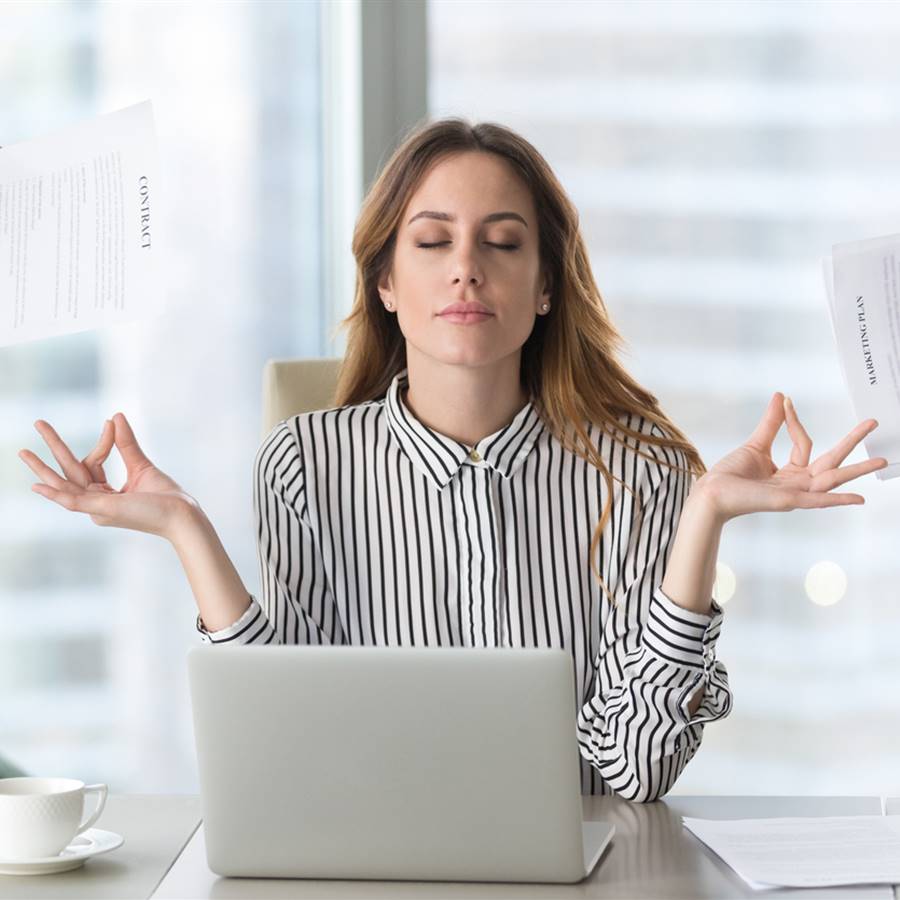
(80,235)
(861,281)
(807,852)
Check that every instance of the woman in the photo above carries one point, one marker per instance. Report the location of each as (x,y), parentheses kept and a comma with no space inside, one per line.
(486,446)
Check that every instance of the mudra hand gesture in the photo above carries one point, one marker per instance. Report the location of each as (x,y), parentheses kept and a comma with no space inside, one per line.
(149,500)
(747,480)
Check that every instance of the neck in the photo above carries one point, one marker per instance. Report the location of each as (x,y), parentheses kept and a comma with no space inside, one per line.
(466,403)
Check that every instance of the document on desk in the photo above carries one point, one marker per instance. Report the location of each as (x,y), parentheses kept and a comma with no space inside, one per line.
(80,229)
(807,852)
(862,282)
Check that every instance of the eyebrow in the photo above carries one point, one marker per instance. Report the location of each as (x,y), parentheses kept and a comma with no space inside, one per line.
(446,217)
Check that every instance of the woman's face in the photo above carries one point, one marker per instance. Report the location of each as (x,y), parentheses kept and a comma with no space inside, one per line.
(494,262)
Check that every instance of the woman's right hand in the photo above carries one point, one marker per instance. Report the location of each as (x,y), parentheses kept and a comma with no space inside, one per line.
(149,500)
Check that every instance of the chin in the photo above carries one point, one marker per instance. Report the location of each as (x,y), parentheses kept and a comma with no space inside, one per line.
(466,356)
(465,350)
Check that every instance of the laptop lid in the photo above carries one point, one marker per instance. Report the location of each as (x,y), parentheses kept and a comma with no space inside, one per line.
(395,763)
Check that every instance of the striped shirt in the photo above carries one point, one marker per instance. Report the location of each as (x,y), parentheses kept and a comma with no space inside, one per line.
(374,529)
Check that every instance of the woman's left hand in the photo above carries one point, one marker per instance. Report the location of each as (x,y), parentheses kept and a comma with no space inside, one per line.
(747,479)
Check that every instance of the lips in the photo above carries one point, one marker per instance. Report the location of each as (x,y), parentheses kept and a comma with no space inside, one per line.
(466,318)
(465,309)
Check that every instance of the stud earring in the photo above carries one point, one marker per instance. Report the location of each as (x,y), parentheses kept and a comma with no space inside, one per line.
(545,306)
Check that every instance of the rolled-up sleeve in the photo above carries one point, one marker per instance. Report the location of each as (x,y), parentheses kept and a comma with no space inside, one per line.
(636,729)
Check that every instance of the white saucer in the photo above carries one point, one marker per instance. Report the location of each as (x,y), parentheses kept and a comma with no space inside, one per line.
(89,843)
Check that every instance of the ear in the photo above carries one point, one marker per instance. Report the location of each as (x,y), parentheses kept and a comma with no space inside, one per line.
(385,288)
(548,289)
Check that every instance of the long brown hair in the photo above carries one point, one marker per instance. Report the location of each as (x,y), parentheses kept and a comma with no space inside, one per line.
(569,362)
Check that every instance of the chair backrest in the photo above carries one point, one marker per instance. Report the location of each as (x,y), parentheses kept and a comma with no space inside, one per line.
(292,386)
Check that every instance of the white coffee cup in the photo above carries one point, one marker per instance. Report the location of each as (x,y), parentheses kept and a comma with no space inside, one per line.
(40,816)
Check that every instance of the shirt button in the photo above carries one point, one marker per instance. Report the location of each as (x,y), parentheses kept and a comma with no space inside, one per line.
(475,456)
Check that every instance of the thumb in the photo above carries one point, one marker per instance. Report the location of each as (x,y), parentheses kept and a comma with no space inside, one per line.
(127,444)
(769,425)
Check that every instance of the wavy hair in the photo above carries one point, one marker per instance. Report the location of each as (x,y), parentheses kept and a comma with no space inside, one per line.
(569,363)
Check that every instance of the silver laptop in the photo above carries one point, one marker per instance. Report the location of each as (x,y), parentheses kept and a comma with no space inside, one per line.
(447,764)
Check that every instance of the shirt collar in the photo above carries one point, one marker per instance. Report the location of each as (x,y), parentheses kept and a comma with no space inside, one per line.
(439,457)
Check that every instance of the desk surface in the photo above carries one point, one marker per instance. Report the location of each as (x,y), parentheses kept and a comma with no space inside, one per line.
(652,856)
(156,829)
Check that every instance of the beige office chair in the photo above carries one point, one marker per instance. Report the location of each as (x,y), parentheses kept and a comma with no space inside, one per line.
(292,386)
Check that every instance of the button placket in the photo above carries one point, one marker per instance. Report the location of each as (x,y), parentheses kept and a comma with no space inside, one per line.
(499,598)
(488,562)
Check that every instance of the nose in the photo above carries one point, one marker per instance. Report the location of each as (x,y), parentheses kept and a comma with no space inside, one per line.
(466,269)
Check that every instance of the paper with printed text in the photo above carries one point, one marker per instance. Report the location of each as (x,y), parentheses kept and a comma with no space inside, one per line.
(80,230)
(862,281)
(807,852)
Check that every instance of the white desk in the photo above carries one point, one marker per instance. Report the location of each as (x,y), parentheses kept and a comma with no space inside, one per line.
(651,856)
(156,829)
(892,808)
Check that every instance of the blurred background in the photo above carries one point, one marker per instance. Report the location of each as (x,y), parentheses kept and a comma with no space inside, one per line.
(715,153)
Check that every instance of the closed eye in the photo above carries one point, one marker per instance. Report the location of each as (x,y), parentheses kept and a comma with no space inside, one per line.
(498,246)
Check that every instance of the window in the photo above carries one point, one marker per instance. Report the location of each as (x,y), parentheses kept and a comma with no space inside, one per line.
(715,152)
(97,622)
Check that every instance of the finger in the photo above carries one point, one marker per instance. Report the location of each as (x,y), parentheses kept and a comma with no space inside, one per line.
(830,480)
(72,468)
(802,441)
(41,469)
(832,458)
(768,426)
(83,501)
(127,443)
(93,462)
(808,500)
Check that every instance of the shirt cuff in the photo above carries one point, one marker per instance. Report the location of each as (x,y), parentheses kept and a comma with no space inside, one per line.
(681,636)
(234,630)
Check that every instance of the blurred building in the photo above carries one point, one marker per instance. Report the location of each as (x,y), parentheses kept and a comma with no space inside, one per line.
(715,153)
(96,622)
